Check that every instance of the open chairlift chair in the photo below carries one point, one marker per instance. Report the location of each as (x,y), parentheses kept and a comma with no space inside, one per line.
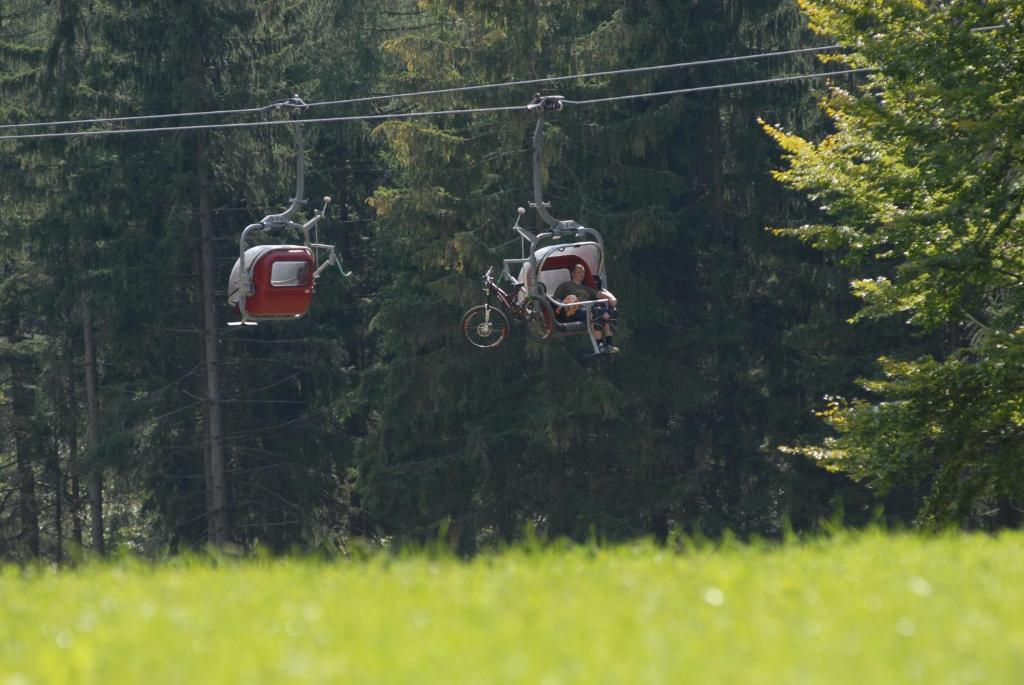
(548,261)
(277,282)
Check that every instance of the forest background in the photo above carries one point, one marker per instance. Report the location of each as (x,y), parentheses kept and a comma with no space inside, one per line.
(134,418)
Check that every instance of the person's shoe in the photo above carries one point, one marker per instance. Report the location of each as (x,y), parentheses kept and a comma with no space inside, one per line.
(610,349)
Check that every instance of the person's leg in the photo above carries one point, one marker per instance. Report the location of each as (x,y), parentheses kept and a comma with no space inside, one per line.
(581,316)
(609,330)
(597,314)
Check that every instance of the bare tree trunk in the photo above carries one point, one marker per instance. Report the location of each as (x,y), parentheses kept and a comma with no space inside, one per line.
(22,399)
(714,132)
(57,474)
(205,437)
(71,435)
(218,512)
(95,482)
(75,495)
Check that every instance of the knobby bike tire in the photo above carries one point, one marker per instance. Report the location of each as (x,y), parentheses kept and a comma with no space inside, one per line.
(540,319)
(485,326)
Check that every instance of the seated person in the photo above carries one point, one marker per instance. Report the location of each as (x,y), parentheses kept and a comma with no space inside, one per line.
(604,312)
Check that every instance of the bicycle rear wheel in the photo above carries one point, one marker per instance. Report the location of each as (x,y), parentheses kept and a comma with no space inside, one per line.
(485,326)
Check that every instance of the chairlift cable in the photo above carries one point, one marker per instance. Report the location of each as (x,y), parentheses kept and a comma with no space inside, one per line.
(458,89)
(141,117)
(413,115)
(438,91)
(699,89)
(253,124)
(571,77)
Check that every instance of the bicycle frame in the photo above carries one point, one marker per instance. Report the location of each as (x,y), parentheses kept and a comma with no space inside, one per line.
(508,301)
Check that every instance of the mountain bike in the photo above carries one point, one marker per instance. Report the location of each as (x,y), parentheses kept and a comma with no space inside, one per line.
(487,325)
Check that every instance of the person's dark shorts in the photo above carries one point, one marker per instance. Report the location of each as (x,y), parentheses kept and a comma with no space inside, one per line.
(580,315)
(599,309)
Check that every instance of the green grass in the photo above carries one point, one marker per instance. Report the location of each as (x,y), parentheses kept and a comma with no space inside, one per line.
(867,608)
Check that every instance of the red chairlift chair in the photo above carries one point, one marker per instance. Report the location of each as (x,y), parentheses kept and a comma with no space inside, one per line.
(277,282)
(281,278)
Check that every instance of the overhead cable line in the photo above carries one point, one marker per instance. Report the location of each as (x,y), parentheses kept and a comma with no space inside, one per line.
(571,77)
(439,91)
(143,117)
(722,86)
(457,89)
(415,115)
(254,124)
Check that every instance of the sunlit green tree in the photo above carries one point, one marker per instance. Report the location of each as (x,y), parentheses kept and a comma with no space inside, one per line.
(921,184)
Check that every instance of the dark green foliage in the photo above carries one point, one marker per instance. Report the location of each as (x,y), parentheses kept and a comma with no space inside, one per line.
(680,431)
(372,417)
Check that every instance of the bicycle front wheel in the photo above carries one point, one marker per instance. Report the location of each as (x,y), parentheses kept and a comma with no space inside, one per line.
(485,326)
(540,320)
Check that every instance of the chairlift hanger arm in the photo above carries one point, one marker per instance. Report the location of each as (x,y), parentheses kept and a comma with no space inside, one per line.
(295,105)
(542,105)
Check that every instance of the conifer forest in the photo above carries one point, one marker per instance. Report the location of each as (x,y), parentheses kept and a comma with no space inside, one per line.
(818,279)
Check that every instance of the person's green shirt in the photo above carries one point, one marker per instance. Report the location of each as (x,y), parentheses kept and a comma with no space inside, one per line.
(578,289)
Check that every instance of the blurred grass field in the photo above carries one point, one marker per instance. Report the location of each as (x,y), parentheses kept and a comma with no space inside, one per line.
(852,608)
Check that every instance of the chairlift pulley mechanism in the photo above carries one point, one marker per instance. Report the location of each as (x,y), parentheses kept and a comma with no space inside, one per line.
(547,103)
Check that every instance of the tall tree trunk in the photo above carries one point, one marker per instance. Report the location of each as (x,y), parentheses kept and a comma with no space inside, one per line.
(205,437)
(75,496)
(22,400)
(57,479)
(22,405)
(218,512)
(95,482)
(71,435)
(715,161)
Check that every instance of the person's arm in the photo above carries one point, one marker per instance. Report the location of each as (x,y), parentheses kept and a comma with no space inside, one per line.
(559,295)
(601,295)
